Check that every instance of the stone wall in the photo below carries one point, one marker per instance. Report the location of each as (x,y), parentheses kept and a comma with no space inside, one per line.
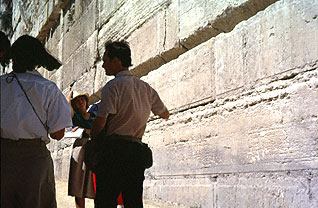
(240,78)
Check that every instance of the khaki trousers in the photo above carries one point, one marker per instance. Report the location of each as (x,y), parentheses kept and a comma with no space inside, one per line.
(27,175)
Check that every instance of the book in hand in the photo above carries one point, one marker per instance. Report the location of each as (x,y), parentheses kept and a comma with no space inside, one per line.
(74,132)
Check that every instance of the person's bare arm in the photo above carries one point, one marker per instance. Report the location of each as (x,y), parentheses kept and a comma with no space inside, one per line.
(58,135)
(97,125)
(165,114)
(69,98)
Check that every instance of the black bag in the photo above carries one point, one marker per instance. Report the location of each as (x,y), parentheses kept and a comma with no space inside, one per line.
(92,151)
(146,154)
(91,155)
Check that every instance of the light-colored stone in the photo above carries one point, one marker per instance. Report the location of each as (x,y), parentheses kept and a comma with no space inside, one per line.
(250,137)
(239,78)
(188,79)
(262,46)
(71,40)
(146,42)
(88,21)
(84,84)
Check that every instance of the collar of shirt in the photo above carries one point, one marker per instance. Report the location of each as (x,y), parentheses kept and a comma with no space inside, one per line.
(124,73)
(34,72)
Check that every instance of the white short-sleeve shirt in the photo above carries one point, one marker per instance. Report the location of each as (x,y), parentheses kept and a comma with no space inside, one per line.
(18,120)
(128,101)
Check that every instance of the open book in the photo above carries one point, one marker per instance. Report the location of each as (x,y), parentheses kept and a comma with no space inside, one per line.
(74,134)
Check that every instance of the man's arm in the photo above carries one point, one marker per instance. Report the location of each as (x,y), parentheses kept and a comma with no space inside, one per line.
(165,114)
(97,125)
(58,134)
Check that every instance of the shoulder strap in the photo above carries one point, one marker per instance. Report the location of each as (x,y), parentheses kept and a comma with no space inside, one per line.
(9,79)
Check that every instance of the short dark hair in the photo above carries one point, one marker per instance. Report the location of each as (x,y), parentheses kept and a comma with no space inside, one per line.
(5,47)
(119,49)
(28,53)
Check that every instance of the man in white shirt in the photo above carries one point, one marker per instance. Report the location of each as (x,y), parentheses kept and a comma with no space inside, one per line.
(32,108)
(126,104)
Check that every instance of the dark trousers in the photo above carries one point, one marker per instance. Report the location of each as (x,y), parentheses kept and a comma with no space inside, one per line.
(27,177)
(119,170)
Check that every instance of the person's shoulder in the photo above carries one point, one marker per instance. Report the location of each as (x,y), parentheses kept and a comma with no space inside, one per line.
(47,83)
(114,82)
(144,83)
(47,86)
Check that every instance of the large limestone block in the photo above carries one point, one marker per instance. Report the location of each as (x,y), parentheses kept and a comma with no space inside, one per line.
(171,44)
(267,189)
(57,77)
(271,128)
(84,83)
(197,14)
(67,73)
(108,9)
(78,63)
(126,18)
(101,78)
(156,41)
(16,15)
(42,16)
(187,80)
(90,53)
(248,150)
(88,20)
(189,191)
(72,40)
(241,58)
(203,19)
(263,189)
(146,43)
(279,39)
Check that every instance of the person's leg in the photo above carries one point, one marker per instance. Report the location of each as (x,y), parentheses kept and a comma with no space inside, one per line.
(133,190)
(37,185)
(28,179)
(107,190)
(131,175)
(79,202)
(8,174)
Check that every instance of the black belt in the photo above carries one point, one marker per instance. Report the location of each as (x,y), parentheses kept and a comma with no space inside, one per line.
(35,140)
(124,137)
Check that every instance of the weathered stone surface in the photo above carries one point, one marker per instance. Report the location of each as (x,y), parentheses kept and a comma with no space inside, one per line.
(262,46)
(188,79)
(242,135)
(262,131)
(223,17)
(261,126)
(263,189)
(71,40)
(84,84)
(239,77)
(88,21)
(108,9)
(146,42)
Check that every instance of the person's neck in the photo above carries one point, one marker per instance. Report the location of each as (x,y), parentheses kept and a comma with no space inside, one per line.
(122,69)
(82,112)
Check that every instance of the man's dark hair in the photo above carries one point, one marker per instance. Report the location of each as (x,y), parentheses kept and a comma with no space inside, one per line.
(5,47)
(119,49)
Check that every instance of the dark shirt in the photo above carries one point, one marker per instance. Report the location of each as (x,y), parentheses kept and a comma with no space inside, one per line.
(79,120)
